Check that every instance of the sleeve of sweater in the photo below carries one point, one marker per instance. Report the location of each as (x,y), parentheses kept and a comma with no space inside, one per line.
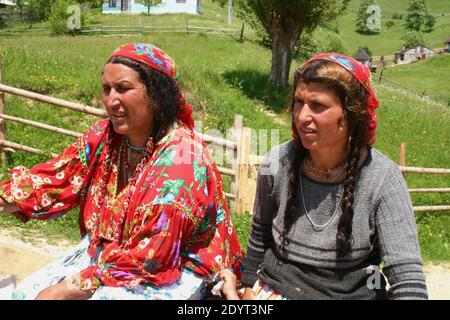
(398,239)
(264,209)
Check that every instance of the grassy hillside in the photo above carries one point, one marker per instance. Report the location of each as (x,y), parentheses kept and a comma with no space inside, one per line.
(388,40)
(430,76)
(211,15)
(222,78)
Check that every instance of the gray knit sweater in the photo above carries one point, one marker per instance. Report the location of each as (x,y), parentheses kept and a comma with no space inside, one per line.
(384,230)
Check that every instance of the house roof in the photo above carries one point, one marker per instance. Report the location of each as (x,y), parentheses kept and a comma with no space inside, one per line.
(362,55)
(420,44)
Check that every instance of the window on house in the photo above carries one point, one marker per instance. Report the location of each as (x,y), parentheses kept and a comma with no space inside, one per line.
(181,1)
(112,3)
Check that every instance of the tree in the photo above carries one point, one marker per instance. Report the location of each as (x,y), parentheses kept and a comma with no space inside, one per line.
(418,18)
(284,22)
(363,15)
(412,38)
(65,21)
(149,4)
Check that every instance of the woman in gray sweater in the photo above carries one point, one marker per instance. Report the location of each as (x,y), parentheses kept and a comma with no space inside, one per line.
(330,209)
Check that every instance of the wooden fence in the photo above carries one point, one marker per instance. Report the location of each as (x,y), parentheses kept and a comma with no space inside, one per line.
(241,199)
(417,170)
(140,29)
(242,169)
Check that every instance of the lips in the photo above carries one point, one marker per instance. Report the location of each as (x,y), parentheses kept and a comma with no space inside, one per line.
(308,131)
(118,116)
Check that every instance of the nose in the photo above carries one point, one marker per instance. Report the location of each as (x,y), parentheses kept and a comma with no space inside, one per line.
(112,99)
(303,114)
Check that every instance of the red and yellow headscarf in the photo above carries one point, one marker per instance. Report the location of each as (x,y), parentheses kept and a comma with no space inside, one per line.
(361,73)
(157,59)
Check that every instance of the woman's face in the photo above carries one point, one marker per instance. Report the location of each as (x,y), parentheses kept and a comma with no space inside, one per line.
(126,101)
(319,117)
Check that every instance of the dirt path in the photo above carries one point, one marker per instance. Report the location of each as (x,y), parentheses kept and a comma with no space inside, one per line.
(22,257)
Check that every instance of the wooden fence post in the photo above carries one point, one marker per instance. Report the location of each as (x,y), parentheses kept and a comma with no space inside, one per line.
(402,161)
(243,170)
(237,132)
(381,75)
(242,33)
(187,26)
(2,124)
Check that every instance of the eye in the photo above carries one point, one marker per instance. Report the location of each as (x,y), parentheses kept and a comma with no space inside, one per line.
(106,89)
(298,104)
(122,88)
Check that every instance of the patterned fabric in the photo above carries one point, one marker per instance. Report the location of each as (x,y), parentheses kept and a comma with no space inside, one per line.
(172,215)
(361,73)
(159,60)
(188,287)
(263,292)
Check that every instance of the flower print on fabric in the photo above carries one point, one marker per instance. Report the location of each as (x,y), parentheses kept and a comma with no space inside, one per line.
(172,216)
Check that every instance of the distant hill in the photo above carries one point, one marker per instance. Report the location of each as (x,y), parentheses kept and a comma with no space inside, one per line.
(388,40)
(430,76)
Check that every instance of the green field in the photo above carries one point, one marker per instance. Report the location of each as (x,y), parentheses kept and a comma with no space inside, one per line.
(388,40)
(222,77)
(430,77)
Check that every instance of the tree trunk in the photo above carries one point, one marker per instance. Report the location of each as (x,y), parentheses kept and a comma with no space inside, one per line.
(283,45)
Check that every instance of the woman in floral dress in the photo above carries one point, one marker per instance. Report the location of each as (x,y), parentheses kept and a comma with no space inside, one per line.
(153,216)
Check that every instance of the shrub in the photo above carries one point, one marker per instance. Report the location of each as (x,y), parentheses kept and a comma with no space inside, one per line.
(63,19)
(389,24)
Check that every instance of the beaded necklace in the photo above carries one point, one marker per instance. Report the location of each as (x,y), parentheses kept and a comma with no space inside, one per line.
(330,175)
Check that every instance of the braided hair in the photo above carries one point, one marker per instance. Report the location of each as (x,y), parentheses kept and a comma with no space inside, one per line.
(353,98)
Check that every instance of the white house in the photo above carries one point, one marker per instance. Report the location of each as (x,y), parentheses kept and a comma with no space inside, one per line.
(419,52)
(166,6)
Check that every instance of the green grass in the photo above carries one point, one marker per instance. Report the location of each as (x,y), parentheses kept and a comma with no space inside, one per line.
(221,78)
(424,77)
(388,40)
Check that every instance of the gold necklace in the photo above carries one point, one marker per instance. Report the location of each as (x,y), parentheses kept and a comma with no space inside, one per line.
(330,175)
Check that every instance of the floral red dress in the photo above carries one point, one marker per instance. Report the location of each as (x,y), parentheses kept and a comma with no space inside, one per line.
(172,215)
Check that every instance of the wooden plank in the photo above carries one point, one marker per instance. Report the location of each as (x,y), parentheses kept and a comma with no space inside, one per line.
(226,171)
(243,170)
(402,161)
(431,208)
(41,126)
(425,190)
(424,170)
(234,188)
(21,147)
(219,141)
(229,195)
(55,101)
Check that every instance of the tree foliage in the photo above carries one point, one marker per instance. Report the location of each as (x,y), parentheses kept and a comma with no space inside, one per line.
(149,4)
(63,20)
(283,23)
(418,18)
(412,38)
(363,15)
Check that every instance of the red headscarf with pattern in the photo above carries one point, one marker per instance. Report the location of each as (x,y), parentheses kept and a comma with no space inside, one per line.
(157,59)
(361,73)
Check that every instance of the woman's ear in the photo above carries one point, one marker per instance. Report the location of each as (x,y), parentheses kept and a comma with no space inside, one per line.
(343,124)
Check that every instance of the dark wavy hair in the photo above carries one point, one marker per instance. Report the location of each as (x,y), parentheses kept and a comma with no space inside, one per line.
(353,98)
(162,91)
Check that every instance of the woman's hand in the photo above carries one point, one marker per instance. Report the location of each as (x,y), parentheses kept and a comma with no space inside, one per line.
(5,207)
(64,291)
(229,285)
(248,294)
